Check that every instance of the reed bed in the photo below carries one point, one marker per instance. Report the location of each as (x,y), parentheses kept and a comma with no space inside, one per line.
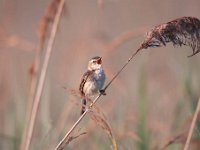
(152,97)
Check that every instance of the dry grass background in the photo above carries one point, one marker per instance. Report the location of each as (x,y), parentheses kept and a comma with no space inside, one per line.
(148,106)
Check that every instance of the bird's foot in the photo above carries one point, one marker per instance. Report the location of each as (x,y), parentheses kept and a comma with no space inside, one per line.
(102,92)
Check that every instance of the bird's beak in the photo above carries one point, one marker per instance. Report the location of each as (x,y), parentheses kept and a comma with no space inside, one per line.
(99,61)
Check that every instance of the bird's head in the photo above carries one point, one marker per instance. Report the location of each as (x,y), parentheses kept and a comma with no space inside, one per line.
(95,63)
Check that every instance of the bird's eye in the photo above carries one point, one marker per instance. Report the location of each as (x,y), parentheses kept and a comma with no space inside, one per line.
(94,61)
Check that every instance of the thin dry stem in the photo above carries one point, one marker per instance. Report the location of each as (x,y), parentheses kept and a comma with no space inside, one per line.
(186,147)
(62,143)
(157,37)
(42,76)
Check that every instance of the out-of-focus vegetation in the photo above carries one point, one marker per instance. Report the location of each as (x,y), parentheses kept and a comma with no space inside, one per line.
(149,104)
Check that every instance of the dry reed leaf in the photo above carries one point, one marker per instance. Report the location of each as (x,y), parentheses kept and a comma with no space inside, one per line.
(181,137)
(181,31)
(69,139)
(74,137)
(176,139)
(100,120)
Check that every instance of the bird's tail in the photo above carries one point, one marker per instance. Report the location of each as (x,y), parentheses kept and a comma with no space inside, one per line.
(83,106)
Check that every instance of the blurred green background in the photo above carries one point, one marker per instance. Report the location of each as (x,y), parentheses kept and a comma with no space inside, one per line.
(151,102)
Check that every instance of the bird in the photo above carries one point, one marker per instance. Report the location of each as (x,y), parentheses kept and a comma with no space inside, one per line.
(92,81)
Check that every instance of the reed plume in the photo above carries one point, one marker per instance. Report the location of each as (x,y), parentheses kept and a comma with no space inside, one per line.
(181,31)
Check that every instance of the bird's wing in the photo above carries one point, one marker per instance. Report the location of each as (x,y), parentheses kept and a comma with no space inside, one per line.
(84,78)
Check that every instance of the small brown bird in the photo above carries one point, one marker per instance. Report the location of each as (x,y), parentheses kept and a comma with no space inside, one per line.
(92,81)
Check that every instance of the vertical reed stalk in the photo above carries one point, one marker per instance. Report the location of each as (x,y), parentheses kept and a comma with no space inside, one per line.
(33,86)
(42,77)
(186,147)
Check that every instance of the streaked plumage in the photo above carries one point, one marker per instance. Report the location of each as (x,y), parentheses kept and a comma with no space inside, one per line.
(92,81)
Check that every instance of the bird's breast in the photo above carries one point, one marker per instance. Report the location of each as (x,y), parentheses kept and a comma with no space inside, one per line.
(90,88)
(95,83)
